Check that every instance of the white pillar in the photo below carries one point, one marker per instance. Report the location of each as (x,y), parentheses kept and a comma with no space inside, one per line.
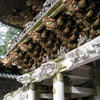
(32,93)
(58,87)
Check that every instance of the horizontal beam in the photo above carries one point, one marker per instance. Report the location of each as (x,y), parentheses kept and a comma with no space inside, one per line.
(80,56)
(74,90)
(68,89)
(72,77)
(78,77)
(79,90)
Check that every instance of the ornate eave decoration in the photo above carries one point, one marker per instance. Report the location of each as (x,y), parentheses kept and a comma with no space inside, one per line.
(45,71)
(34,35)
(6,61)
(81,55)
(71,6)
(50,23)
(37,21)
(14,55)
(23,46)
(73,59)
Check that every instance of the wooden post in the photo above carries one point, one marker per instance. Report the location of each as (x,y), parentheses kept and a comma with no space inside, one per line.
(58,87)
(32,93)
(79,98)
(97,82)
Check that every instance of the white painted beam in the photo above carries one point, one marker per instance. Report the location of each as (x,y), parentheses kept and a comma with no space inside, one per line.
(82,55)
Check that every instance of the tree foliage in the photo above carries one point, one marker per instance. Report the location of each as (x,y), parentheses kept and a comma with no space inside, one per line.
(7,33)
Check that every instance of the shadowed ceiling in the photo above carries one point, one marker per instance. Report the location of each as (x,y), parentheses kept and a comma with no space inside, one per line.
(15,12)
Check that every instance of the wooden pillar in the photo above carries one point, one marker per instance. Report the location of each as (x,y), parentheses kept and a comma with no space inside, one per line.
(68,84)
(97,85)
(32,93)
(58,87)
(97,97)
(79,99)
(96,75)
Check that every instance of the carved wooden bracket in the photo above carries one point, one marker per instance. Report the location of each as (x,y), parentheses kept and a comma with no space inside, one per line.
(45,71)
(50,23)
(23,46)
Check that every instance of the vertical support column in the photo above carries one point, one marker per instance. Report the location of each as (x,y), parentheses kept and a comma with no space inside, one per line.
(38,92)
(68,84)
(32,93)
(96,74)
(97,85)
(79,98)
(97,97)
(58,87)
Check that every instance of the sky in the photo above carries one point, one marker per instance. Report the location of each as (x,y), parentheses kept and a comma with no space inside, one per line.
(3,30)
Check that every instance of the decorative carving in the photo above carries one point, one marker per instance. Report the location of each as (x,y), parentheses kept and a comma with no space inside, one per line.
(81,3)
(82,53)
(89,13)
(6,61)
(45,71)
(34,35)
(17,95)
(61,51)
(45,58)
(82,39)
(23,46)
(14,55)
(71,6)
(24,79)
(22,96)
(50,23)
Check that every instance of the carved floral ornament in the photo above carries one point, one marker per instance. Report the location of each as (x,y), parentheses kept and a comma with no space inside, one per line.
(23,46)
(50,23)
(14,55)
(45,71)
(6,61)
(34,35)
(73,4)
(17,95)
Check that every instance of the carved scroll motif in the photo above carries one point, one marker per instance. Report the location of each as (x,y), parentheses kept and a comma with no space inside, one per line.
(24,79)
(45,71)
(82,53)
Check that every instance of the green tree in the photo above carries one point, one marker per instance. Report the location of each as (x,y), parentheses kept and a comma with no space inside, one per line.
(11,34)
